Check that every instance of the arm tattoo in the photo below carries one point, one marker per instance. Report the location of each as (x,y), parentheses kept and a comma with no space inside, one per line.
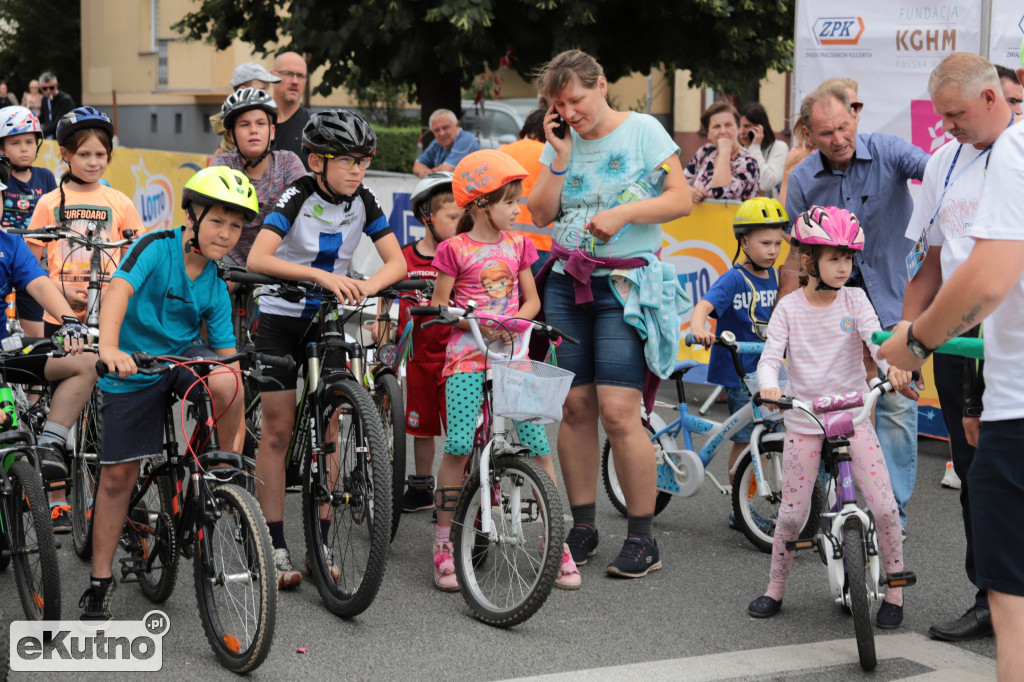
(966,322)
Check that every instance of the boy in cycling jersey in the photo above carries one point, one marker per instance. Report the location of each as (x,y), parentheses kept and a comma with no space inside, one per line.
(165,290)
(742,300)
(311,235)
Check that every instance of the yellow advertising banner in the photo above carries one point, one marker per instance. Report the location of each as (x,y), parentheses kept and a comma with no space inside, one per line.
(152,179)
(701,246)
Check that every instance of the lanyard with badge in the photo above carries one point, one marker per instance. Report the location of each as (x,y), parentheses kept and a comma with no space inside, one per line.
(915,259)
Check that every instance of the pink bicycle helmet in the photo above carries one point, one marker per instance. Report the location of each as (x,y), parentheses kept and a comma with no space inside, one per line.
(829,226)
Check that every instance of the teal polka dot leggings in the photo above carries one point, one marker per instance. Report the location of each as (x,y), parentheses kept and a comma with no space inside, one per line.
(464,393)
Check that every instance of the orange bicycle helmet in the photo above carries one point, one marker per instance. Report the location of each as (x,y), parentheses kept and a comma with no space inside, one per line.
(482,172)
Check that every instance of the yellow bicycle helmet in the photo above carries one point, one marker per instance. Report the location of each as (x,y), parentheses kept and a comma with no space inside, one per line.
(221,185)
(758,212)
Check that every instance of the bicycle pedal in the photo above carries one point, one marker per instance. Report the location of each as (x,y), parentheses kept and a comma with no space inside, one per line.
(793,545)
(900,579)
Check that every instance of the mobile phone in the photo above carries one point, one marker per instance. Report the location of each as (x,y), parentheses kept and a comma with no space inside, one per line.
(562,128)
(750,136)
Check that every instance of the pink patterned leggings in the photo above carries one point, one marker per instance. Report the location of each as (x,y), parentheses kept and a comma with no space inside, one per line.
(800,457)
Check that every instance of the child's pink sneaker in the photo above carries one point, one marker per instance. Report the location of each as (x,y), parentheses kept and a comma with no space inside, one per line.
(444,568)
(569,577)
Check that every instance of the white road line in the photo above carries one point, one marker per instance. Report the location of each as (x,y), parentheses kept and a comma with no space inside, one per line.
(944,661)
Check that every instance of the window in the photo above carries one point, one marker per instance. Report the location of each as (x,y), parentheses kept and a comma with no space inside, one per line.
(152,123)
(161,63)
(177,123)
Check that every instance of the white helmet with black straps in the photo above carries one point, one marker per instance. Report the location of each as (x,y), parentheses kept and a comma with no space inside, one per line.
(244,100)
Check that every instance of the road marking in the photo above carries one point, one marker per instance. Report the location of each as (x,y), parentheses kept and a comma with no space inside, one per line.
(940,661)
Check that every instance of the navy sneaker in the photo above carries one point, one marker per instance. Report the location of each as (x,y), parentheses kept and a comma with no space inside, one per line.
(582,541)
(417,499)
(889,616)
(52,461)
(95,601)
(638,557)
(764,607)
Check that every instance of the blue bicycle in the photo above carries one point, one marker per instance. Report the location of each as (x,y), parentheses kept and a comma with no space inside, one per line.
(757,476)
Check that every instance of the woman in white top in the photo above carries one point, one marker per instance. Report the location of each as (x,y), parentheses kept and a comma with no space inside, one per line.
(770,154)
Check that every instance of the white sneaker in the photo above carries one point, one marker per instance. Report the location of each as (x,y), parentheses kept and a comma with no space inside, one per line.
(950,479)
(287,576)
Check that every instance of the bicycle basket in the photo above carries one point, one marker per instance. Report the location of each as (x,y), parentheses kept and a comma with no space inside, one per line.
(751,381)
(529,391)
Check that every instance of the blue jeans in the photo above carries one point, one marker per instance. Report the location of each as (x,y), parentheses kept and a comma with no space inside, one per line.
(896,426)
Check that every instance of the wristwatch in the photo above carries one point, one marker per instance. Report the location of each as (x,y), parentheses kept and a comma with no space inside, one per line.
(916,348)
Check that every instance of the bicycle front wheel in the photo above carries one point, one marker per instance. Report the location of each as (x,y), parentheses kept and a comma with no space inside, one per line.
(236,586)
(757,515)
(348,522)
(85,465)
(856,578)
(387,396)
(507,575)
(34,553)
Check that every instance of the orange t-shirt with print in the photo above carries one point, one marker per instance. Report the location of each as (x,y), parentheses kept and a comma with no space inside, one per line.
(105,208)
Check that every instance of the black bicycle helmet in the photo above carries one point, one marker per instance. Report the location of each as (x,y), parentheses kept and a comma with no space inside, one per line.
(245,100)
(80,119)
(336,131)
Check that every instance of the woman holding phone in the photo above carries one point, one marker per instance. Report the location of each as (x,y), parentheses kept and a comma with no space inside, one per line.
(770,154)
(584,171)
(723,168)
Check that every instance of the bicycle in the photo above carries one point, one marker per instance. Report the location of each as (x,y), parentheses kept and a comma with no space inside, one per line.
(847,542)
(340,451)
(757,475)
(507,527)
(195,505)
(86,437)
(26,532)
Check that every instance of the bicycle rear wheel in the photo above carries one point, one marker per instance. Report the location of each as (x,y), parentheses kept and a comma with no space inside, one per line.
(387,396)
(34,553)
(506,576)
(347,550)
(611,478)
(85,463)
(757,515)
(149,534)
(236,586)
(856,577)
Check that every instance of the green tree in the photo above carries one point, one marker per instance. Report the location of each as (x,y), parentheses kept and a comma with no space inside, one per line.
(38,36)
(436,47)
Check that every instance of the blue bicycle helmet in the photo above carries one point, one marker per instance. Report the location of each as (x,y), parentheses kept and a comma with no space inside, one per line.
(80,119)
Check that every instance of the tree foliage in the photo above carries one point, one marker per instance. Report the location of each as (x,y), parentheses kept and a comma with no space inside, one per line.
(38,36)
(436,47)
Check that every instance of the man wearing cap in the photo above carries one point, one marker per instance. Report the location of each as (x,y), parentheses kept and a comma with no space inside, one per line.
(288,90)
(247,75)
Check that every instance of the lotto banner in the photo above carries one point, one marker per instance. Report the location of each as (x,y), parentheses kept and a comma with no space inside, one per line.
(1007,31)
(153,179)
(701,247)
(890,49)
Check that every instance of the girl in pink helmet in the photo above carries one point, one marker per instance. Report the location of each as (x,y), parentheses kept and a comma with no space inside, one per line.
(821,329)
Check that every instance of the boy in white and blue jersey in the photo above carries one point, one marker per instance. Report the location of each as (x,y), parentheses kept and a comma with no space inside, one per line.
(311,235)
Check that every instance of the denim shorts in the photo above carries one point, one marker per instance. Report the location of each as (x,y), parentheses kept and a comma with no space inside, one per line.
(736,398)
(610,352)
(996,482)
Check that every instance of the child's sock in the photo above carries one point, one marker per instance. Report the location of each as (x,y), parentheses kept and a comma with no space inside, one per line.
(442,534)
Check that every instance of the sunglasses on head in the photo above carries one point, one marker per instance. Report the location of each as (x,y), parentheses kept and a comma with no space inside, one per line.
(856,107)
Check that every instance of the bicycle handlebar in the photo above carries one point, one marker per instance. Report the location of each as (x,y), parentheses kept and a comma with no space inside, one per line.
(451,315)
(964,346)
(231,273)
(53,233)
(150,364)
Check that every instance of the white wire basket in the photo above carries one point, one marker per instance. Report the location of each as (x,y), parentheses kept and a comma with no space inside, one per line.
(529,391)
(751,381)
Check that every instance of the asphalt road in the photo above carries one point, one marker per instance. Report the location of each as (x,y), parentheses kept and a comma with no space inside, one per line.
(687,621)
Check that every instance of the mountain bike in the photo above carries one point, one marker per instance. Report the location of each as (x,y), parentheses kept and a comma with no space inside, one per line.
(195,504)
(86,437)
(848,542)
(757,475)
(507,526)
(340,451)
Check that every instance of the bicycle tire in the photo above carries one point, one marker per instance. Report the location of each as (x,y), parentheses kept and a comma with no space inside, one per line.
(36,570)
(358,536)
(508,584)
(749,508)
(856,576)
(240,546)
(611,480)
(85,464)
(148,523)
(387,396)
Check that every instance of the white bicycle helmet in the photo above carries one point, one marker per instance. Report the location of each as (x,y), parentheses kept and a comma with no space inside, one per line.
(19,120)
